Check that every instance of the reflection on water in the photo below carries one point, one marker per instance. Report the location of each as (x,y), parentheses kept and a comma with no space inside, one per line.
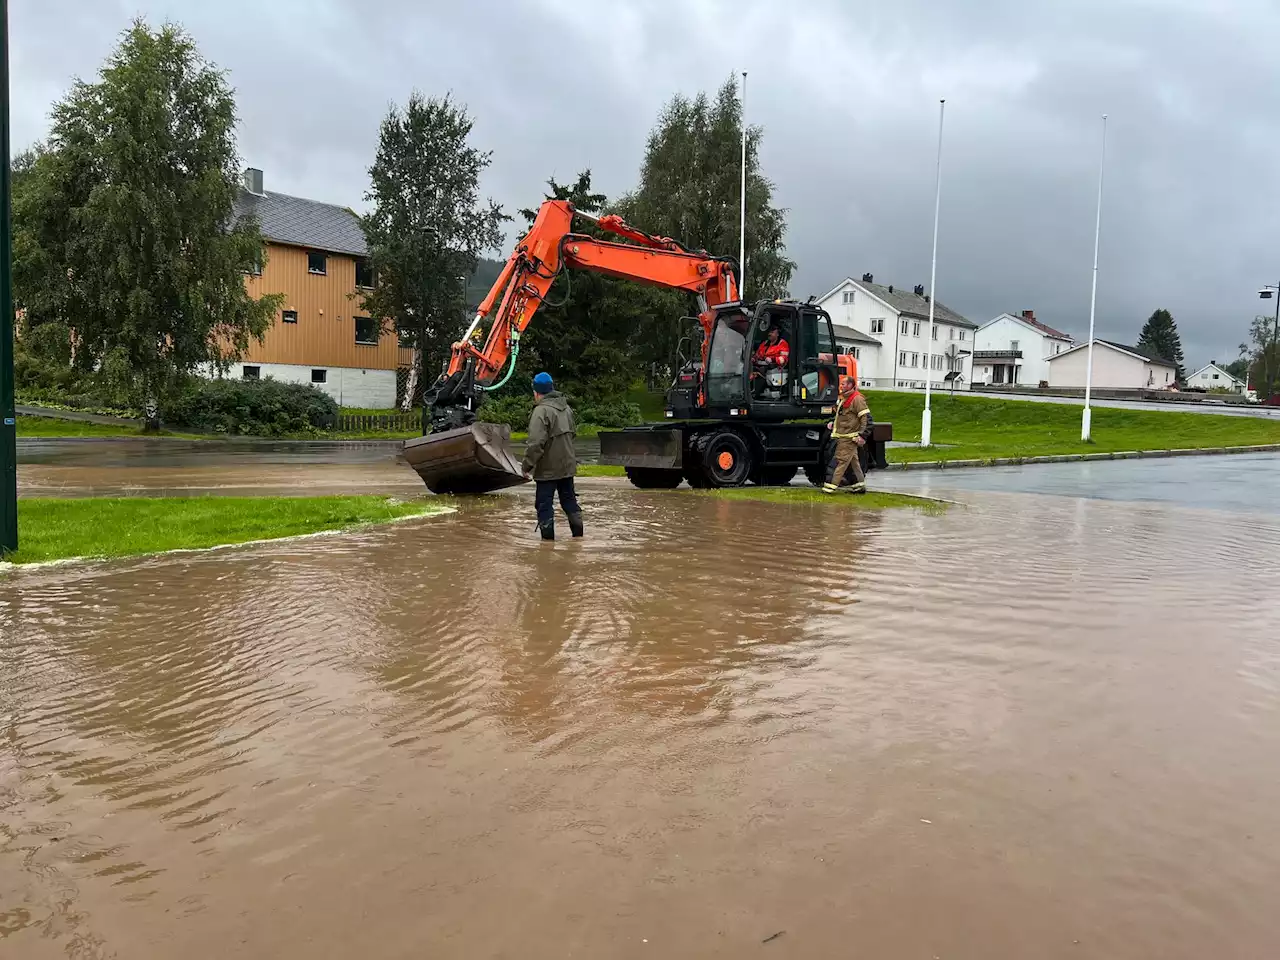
(1026,728)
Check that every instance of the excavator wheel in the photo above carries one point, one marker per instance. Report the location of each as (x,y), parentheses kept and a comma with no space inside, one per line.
(774,476)
(645,478)
(727,459)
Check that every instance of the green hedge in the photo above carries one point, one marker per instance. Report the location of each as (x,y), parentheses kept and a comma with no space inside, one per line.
(261,408)
(514,410)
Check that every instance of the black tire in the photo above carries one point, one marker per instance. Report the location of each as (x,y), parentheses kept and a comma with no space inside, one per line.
(648,478)
(727,460)
(817,475)
(774,476)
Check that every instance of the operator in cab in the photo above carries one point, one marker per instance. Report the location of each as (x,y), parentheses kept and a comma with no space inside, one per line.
(549,458)
(773,350)
(852,417)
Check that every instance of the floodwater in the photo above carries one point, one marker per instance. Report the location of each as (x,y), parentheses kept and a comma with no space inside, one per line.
(1039,725)
(113,467)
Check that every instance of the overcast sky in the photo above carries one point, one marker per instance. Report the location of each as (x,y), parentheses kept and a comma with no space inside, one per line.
(847,94)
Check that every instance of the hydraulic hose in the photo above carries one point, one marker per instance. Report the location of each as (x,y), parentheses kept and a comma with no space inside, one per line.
(515,352)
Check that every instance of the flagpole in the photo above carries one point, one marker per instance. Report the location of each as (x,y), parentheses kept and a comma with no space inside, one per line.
(926,420)
(742,219)
(1086,419)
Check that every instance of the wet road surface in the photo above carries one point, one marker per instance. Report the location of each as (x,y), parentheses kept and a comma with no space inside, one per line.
(1038,726)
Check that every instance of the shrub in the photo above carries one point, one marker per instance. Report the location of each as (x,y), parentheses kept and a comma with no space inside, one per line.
(514,410)
(261,408)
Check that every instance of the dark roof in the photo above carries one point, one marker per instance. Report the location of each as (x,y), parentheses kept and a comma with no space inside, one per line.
(1139,351)
(910,304)
(856,336)
(304,223)
(1135,351)
(1042,327)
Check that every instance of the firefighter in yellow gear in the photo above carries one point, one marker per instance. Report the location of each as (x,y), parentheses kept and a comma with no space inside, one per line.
(852,417)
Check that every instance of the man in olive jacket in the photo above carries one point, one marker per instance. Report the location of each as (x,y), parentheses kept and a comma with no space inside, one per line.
(549,458)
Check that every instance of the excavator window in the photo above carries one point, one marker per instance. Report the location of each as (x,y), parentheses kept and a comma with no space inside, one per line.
(726,361)
(819,376)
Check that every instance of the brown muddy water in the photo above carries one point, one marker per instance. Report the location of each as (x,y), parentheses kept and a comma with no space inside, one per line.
(1036,726)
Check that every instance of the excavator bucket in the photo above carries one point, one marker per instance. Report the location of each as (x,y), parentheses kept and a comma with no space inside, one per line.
(474,459)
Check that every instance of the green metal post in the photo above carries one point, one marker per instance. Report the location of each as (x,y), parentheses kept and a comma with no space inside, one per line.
(8,428)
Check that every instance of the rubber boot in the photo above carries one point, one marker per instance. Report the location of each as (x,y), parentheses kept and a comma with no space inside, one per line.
(575,523)
(548,530)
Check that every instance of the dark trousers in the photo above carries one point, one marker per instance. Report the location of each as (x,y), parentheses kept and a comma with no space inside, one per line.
(544,499)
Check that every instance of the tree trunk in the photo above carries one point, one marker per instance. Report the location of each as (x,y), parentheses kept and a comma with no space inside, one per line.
(411,385)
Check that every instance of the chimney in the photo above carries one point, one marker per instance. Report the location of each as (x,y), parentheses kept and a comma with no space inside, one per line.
(891,288)
(868,278)
(1028,314)
(919,290)
(253,181)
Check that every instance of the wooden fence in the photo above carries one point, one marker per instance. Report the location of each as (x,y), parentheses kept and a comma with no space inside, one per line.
(384,422)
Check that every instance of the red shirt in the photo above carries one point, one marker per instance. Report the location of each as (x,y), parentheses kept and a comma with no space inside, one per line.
(775,353)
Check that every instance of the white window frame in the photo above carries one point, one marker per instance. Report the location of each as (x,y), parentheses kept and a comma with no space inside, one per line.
(877,324)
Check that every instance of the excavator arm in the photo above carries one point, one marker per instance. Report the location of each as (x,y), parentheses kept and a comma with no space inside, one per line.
(521,288)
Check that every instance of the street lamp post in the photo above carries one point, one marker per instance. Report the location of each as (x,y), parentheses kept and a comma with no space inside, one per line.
(926,418)
(1086,418)
(9,427)
(1267,292)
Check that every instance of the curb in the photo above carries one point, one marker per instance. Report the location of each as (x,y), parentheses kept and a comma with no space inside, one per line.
(1081,457)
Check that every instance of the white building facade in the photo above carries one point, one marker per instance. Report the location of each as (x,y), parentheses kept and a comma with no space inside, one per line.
(1213,377)
(1115,367)
(349,386)
(1016,350)
(897,321)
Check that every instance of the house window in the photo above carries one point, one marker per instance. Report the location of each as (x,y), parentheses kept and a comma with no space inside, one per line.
(915,329)
(936,361)
(935,333)
(1215,376)
(289,316)
(852,352)
(962,333)
(877,325)
(1013,346)
(317,263)
(902,359)
(366,331)
(256,269)
(906,325)
(953,333)
(319,376)
(364,272)
(250,373)
(847,297)
(915,359)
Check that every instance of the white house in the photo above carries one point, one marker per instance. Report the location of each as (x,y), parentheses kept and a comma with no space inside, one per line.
(898,321)
(1016,349)
(1212,377)
(1115,367)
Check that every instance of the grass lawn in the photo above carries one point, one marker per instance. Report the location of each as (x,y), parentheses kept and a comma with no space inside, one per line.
(53,427)
(56,529)
(803,495)
(600,470)
(981,428)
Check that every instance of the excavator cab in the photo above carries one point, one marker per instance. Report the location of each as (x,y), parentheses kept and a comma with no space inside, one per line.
(754,374)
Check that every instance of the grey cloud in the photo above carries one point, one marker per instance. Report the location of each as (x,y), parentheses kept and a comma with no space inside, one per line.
(848,98)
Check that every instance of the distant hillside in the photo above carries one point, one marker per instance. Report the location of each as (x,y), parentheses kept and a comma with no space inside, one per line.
(478,286)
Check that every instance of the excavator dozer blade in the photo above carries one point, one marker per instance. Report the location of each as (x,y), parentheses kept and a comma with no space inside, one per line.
(474,459)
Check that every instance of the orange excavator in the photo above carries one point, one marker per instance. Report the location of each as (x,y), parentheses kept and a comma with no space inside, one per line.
(730,417)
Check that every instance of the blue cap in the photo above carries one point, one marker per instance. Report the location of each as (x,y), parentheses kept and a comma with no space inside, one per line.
(543,383)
